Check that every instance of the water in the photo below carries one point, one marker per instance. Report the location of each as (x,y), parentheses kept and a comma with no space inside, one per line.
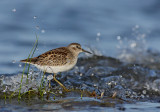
(124,35)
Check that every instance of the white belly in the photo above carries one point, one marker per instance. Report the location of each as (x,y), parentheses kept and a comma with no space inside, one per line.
(56,69)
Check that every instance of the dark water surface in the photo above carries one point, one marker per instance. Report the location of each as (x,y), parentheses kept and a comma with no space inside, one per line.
(124,37)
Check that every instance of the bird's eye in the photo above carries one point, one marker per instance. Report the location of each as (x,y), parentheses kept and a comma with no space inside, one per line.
(77,47)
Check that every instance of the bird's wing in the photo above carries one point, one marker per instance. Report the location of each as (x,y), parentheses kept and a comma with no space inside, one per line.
(55,57)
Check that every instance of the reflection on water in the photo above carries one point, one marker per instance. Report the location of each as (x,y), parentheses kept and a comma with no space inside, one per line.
(81,105)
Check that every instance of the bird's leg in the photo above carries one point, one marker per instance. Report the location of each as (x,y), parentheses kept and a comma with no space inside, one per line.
(60,83)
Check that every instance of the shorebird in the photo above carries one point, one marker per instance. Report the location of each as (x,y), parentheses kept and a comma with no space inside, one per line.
(57,60)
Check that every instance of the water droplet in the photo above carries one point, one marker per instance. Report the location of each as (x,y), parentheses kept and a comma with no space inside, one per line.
(133,45)
(108,83)
(95,85)
(37,27)
(81,74)
(43,31)
(144,91)
(35,17)
(20,65)
(13,10)
(98,34)
(45,92)
(5,89)
(49,77)
(137,26)
(13,61)
(142,96)
(135,94)
(60,92)
(31,72)
(118,37)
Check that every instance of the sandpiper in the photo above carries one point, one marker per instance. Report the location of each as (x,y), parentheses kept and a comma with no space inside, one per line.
(57,60)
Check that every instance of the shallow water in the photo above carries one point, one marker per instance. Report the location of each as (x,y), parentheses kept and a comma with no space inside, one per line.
(81,105)
(136,88)
(124,39)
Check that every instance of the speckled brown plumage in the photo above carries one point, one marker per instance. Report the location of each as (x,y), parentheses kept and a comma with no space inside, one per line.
(55,57)
(57,60)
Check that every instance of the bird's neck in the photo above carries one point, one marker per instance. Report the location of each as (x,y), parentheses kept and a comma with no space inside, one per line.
(75,54)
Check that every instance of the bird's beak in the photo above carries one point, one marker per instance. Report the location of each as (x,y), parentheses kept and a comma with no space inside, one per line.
(86,51)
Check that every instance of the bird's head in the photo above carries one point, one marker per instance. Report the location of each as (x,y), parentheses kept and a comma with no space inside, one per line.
(76,48)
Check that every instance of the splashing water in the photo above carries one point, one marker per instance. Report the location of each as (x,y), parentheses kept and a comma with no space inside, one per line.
(135,50)
(14,10)
(34,17)
(13,82)
(43,31)
(105,76)
(129,78)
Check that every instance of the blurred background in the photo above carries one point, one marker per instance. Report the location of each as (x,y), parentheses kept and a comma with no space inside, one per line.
(96,24)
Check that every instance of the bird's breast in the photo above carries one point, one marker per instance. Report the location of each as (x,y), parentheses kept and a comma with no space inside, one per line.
(56,69)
